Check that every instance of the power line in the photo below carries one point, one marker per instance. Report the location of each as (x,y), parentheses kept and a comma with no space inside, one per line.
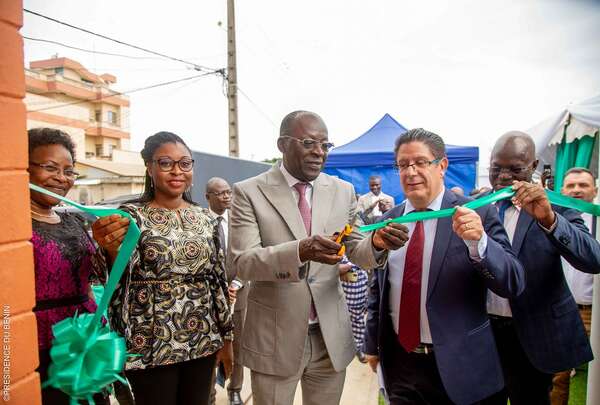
(88,50)
(260,110)
(120,93)
(194,65)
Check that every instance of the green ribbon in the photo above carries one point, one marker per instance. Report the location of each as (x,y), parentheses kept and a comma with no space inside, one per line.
(86,355)
(554,197)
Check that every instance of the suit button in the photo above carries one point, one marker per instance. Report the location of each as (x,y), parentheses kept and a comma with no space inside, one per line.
(311,279)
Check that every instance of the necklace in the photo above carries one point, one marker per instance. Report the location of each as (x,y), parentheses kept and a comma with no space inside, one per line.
(53,218)
(39,214)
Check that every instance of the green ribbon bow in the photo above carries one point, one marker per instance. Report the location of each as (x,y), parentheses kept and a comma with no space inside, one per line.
(554,197)
(86,355)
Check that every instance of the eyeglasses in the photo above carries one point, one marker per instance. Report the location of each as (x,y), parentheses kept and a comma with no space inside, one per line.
(55,171)
(514,170)
(166,164)
(311,143)
(418,164)
(221,194)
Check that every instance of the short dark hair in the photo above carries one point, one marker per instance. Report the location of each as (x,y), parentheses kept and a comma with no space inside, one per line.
(50,136)
(434,142)
(286,124)
(575,170)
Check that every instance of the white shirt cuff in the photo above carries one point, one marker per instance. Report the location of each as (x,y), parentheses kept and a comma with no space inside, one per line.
(477,248)
(552,227)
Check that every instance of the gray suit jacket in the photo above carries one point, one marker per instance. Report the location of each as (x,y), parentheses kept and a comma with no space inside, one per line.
(266,227)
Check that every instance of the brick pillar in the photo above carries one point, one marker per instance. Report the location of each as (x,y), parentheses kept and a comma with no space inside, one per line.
(18,332)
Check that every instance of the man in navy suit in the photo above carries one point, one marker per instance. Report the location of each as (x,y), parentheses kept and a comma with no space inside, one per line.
(539,332)
(427,321)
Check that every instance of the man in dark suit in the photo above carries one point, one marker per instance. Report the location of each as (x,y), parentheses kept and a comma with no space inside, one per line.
(218,194)
(539,332)
(427,321)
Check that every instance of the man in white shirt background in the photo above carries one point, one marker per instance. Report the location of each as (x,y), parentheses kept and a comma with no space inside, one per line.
(578,183)
(375,203)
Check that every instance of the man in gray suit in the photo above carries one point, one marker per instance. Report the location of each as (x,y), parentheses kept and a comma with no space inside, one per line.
(297,325)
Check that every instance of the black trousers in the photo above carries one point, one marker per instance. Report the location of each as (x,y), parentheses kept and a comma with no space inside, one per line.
(524,384)
(187,383)
(412,378)
(53,396)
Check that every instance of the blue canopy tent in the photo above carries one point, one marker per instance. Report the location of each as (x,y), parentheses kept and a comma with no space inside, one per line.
(373,153)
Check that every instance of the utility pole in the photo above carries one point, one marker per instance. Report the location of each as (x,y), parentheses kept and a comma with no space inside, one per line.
(234,141)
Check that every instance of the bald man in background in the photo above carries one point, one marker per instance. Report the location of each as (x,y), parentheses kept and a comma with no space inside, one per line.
(219,197)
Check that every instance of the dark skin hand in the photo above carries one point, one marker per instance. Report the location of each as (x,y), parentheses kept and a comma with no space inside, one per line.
(319,249)
(391,237)
(344,268)
(109,232)
(225,356)
(533,199)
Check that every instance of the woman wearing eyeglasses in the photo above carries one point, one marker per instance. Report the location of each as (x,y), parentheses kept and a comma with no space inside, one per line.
(65,258)
(172,303)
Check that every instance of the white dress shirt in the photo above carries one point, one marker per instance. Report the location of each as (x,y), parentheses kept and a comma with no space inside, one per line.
(376,211)
(397,259)
(497,305)
(291,181)
(225,225)
(581,284)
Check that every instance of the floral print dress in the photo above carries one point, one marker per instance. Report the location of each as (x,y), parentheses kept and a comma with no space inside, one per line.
(172,303)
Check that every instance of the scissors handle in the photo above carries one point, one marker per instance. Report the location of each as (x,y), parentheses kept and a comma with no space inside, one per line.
(340,238)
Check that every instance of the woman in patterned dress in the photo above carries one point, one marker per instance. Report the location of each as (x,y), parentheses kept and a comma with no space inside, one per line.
(172,303)
(65,258)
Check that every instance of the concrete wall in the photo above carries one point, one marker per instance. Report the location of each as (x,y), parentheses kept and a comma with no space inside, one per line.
(20,383)
(127,156)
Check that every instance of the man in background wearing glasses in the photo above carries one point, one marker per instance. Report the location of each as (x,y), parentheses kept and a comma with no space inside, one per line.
(539,332)
(297,325)
(218,195)
(427,320)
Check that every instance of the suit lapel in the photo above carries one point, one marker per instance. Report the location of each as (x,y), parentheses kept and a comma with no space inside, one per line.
(279,194)
(443,234)
(322,204)
(523,223)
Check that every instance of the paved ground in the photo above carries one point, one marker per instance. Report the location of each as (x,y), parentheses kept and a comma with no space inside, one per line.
(361,387)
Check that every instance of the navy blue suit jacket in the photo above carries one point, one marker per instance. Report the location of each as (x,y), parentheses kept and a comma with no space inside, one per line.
(464,345)
(546,316)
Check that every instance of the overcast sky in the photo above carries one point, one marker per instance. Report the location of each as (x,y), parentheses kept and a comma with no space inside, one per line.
(468,70)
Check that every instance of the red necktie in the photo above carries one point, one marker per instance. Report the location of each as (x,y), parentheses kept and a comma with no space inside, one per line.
(303,206)
(306,214)
(409,325)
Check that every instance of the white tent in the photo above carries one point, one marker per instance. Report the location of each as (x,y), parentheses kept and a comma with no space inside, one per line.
(584,119)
